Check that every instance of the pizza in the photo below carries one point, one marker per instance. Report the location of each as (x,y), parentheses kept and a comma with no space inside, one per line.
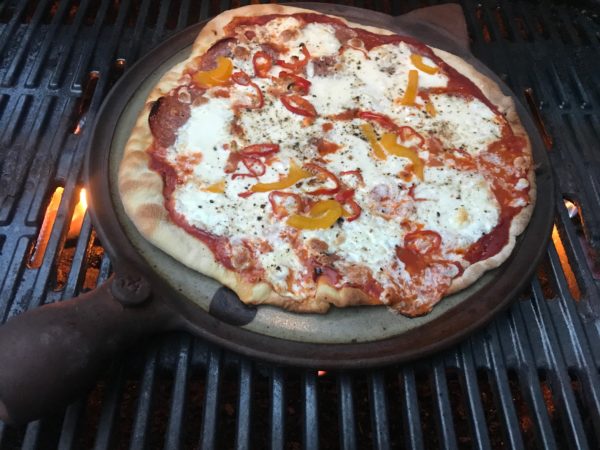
(305,161)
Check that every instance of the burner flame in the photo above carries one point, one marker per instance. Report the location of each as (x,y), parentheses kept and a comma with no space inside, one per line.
(37,256)
(565,264)
(78,215)
(572,208)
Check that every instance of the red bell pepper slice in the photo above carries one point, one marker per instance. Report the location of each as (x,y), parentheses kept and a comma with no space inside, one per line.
(276,198)
(262,63)
(323,173)
(346,198)
(406,133)
(296,63)
(298,84)
(255,166)
(243,79)
(298,105)
(381,119)
(357,173)
(260,149)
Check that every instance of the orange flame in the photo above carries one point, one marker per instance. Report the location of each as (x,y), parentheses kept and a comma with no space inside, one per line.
(44,234)
(78,215)
(566,265)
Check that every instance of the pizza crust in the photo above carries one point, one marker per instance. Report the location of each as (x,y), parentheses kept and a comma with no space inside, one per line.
(141,189)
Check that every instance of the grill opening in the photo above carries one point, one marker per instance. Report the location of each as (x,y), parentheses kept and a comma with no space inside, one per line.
(85,101)
(71,244)
(535,111)
(587,415)
(493,418)
(544,274)
(529,431)
(554,413)
(424,393)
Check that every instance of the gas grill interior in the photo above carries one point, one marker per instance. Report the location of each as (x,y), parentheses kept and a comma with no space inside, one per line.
(530,379)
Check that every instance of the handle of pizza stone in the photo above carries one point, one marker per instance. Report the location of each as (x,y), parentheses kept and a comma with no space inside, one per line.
(445,26)
(51,355)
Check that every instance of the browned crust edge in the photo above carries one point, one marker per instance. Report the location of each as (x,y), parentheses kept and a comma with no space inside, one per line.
(141,189)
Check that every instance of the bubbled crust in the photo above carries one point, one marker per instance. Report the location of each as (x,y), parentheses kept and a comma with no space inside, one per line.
(141,189)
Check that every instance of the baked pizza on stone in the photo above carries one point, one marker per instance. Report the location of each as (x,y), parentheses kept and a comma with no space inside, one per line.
(305,161)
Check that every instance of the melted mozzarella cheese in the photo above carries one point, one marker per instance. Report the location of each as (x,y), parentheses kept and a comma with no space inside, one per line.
(206,131)
(330,96)
(280,264)
(371,242)
(459,205)
(319,39)
(463,122)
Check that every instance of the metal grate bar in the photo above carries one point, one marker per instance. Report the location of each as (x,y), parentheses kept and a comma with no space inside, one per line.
(141,423)
(347,421)
(69,425)
(411,409)
(176,418)
(10,29)
(106,422)
(15,66)
(444,408)
(89,46)
(41,58)
(131,52)
(277,409)
(575,426)
(311,415)
(208,438)
(477,416)
(183,15)
(79,263)
(242,440)
(165,6)
(32,435)
(67,47)
(379,419)
(501,384)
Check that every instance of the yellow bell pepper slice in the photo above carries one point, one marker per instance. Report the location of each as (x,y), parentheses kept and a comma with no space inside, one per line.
(295,174)
(322,215)
(369,132)
(430,108)
(390,143)
(216,188)
(410,94)
(215,77)
(417,61)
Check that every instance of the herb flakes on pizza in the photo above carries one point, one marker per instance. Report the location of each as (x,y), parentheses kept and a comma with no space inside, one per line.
(305,161)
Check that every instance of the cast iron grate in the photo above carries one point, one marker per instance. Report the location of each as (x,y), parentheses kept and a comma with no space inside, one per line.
(529,380)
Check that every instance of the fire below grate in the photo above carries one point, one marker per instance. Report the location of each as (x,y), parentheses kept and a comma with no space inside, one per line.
(529,380)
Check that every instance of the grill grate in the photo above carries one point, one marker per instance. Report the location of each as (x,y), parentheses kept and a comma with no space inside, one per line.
(528,380)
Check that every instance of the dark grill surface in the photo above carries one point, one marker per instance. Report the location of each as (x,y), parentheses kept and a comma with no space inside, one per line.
(530,379)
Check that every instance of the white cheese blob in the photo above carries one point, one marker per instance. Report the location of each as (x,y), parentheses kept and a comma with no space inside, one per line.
(459,205)
(205,132)
(370,242)
(463,122)
(319,39)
